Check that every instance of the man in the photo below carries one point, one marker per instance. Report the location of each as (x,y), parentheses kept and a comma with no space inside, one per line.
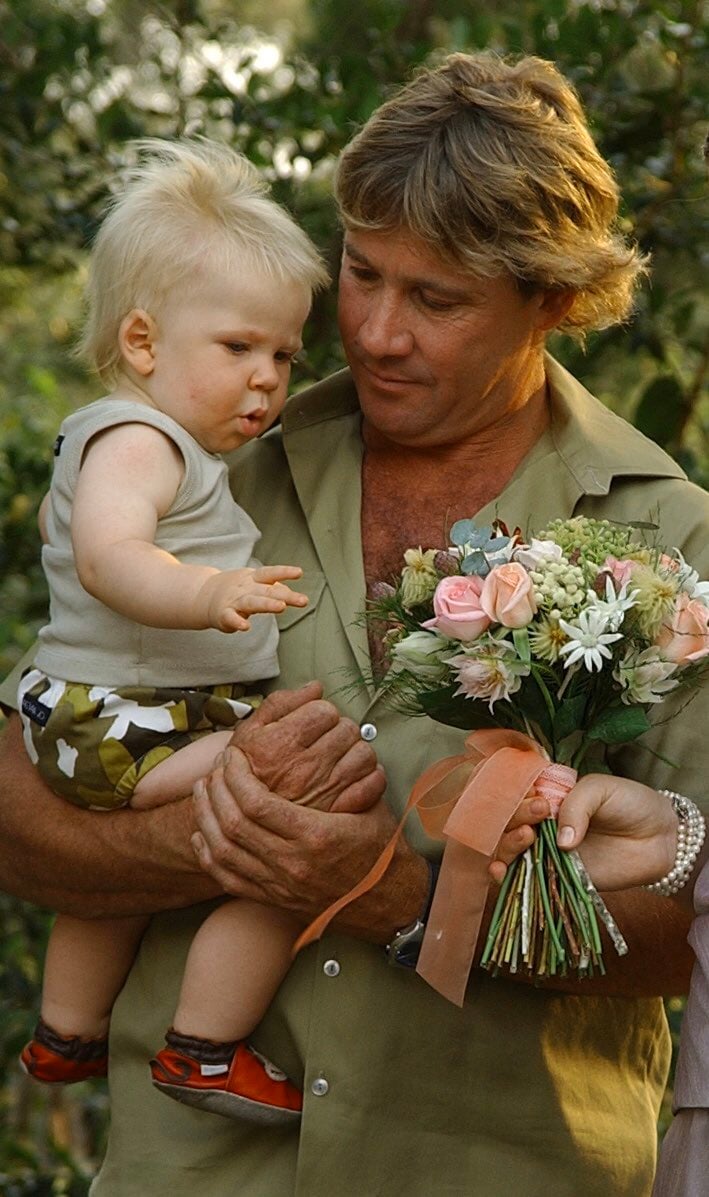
(478,217)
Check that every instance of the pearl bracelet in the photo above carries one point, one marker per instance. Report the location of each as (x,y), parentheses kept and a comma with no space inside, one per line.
(691,830)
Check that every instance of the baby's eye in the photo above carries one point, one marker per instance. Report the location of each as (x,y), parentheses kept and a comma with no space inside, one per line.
(286,355)
(236,346)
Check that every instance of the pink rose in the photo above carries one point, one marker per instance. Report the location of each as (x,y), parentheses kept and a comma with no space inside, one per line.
(456,603)
(684,635)
(620,571)
(508,596)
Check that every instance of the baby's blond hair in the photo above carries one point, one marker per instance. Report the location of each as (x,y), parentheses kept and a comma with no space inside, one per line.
(188,208)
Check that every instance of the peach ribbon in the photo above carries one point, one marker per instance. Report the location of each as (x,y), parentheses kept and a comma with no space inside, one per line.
(467,801)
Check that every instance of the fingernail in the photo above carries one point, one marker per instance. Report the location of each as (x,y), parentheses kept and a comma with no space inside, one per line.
(197,844)
(565,837)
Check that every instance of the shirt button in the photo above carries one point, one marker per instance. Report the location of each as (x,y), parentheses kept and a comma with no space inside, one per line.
(368,731)
(331,968)
(319,1086)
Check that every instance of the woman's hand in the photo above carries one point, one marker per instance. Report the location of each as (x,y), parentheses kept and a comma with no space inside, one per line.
(626,832)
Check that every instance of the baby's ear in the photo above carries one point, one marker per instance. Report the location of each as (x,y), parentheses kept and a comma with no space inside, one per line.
(136,339)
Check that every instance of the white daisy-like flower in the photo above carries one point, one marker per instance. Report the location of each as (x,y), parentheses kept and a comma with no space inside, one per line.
(645,676)
(613,606)
(689,580)
(588,640)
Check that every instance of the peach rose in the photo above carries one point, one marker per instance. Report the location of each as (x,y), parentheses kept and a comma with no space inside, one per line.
(508,596)
(684,635)
(458,613)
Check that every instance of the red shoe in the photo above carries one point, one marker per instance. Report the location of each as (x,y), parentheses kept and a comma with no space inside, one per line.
(86,1059)
(250,1088)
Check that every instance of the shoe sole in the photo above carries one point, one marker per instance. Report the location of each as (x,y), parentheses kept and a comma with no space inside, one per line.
(230,1105)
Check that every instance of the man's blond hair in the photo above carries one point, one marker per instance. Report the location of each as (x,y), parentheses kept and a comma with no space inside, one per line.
(491,162)
(188,209)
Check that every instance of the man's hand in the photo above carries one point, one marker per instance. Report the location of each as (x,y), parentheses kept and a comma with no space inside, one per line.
(301,748)
(296,746)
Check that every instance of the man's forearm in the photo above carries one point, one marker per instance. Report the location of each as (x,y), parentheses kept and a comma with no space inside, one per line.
(90,863)
(659,960)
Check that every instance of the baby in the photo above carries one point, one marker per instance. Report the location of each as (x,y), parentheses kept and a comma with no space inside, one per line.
(198,291)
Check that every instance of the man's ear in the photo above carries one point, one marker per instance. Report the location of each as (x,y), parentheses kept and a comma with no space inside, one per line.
(136,339)
(553,306)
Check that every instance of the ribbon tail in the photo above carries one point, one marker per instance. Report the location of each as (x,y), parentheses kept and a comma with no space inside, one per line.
(375,874)
(453,926)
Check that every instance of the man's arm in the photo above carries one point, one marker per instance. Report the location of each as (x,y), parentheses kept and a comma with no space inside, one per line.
(90,863)
(109,864)
(243,828)
(631,841)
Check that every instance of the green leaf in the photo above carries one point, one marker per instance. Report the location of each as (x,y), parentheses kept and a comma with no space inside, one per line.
(619,725)
(569,716)
(458,711)
(520,637)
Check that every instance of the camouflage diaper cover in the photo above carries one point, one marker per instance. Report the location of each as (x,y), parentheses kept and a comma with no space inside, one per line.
(93,744)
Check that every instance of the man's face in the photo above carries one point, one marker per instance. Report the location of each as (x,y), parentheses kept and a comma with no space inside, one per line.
(437,354)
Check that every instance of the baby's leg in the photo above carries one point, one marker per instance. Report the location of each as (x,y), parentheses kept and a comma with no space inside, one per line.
(236,963)
(174,777)
(87,963)
(238,958)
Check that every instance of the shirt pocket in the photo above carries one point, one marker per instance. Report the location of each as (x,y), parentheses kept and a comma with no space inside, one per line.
(300,631)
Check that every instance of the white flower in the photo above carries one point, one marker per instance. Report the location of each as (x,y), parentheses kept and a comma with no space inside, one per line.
(588,640)
(532,555)
(645,676)
(489,669)
(614,606)
(689,580)
(419,652)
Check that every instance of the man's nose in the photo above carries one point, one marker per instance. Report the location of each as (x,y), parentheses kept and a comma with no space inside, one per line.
(384,332)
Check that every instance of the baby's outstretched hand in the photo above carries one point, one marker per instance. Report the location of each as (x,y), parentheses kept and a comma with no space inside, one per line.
(232,596)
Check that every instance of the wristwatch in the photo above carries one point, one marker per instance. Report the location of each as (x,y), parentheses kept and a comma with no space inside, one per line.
(403,951)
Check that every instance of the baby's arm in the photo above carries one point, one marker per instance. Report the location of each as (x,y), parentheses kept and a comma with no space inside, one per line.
(128,480)
(42,518)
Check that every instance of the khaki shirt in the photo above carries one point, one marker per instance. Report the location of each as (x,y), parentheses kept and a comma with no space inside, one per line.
(520,1092)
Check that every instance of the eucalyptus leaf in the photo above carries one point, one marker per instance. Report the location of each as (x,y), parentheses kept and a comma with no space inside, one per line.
(461,532)
(475,563)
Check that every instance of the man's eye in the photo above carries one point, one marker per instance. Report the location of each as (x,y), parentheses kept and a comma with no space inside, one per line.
(435,304)
(362,274)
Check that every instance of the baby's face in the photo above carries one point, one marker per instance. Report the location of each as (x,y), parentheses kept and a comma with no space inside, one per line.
(223,354)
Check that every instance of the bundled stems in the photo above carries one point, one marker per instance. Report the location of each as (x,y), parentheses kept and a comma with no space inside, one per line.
(545,921)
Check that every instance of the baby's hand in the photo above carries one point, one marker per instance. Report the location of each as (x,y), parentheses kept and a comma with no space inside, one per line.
(235,594)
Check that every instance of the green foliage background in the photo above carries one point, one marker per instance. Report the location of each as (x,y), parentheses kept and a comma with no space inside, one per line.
(288,83)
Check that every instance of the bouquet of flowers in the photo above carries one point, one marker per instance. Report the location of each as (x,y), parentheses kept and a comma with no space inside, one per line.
(570,638)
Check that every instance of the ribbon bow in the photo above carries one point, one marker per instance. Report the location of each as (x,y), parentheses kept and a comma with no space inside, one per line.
(467,801)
